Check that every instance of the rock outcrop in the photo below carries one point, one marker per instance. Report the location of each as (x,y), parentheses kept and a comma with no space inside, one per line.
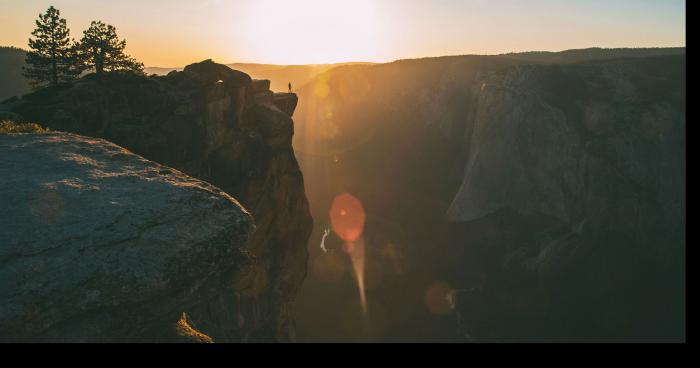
(100,245)
(217,125)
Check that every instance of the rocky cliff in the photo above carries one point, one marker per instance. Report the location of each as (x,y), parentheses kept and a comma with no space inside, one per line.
(549,196)
(217,125)
(101,245)
(593,157)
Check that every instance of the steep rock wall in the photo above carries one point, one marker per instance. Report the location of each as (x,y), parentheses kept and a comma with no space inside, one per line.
(594,154)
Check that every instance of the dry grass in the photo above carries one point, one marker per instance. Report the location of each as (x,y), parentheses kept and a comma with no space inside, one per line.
(185,330)
(7,127)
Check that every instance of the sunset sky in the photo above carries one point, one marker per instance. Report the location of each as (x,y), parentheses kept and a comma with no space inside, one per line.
(171,33)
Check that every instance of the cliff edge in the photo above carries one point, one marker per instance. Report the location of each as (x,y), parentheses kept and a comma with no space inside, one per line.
(215,124)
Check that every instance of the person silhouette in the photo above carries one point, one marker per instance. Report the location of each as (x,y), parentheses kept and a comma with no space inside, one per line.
(290,87)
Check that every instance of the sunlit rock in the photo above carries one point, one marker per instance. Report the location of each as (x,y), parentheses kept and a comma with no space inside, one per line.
(99,244)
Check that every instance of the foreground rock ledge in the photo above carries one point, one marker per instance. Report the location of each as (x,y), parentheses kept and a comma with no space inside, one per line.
(99,244)
(218,125)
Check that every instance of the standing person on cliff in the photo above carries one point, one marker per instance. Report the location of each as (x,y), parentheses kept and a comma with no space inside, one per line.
(290,87)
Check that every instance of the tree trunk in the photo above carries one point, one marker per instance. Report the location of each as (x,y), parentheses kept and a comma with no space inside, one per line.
(54,72)
(99,63)
(54,69)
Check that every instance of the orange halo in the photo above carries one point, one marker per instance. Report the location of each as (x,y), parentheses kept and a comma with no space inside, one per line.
(347,217)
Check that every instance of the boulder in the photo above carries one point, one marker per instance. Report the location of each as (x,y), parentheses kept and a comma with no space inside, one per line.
(99,244)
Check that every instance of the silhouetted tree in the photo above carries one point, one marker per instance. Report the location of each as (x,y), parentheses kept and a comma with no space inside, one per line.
(52,56)
(101,49)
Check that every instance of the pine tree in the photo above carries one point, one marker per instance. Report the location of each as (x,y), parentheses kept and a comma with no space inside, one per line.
(51,58)
(101,49)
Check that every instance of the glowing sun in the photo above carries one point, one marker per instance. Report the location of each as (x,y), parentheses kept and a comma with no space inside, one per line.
(315,31)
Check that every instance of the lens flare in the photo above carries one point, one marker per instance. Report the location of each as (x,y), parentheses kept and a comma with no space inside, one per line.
(438,298)
(357,258)
(348,222)
(347,217)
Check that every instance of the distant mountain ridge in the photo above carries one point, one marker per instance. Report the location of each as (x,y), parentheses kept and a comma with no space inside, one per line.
(14,84)
(278,75)
(594,53)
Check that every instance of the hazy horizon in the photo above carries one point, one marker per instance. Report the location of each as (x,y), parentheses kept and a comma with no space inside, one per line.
(411,58)
(327,32)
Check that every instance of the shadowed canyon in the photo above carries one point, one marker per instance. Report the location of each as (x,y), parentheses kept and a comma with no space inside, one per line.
(523,197)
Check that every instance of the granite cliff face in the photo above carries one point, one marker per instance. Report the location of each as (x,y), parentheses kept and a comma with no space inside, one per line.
(217,125)
(549,196)
(101,245)
(599,166)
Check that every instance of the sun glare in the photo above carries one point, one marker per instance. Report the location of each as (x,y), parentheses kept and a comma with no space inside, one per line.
(315,31)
